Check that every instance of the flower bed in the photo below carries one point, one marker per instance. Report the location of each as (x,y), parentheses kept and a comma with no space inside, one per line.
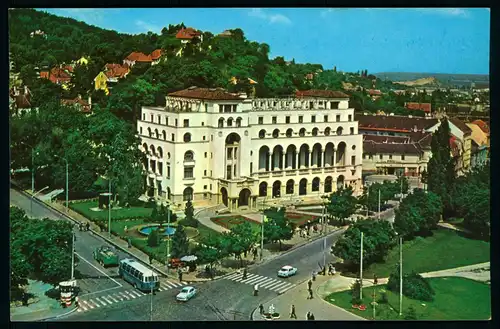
(301,219)
(230,221)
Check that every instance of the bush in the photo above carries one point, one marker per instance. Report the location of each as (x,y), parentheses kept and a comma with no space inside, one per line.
(414,285)
(153,238)
(384,299)
(355,290)
(411,313)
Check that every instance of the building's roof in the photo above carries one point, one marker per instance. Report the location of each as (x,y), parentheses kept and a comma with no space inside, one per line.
(226,33)
(139,57)
(393,123)
(478,135)
(454,146)
(156,54)
(309,76)
(321,93)
(426,107)
(187,33)
(483,125)
(205,93)
(70,102)
(116,70)
(374,92)
(44,74)
(460,125)
(59,74)
(387,139)
(371,147)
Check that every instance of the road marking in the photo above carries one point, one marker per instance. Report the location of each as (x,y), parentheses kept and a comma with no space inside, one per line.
(249,276)
(112,298)
(100,291)
(88,304)
(175,284)
(270,283)
(232,276)
(282,291)
(279,286)
(100,301)
(265,282)
(160,289)
(140,293)
(124,295)
(184,282)
(133,293)
(93,302)
(107,300)
(80,257)
(257,280)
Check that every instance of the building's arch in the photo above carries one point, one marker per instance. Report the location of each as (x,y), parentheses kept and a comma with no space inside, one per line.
(315,131)
(238,122)
(328,184)
(277,158)
(276,189)
(164,135)
(189,156)
(290,157)
(263,189)
(316,155)
(339,131)
(223,192)
(145,148)
(187,137)
(157,135)
(160,152)
(304,156)
(229,122)
(340,182)
(302,132)
(290,186)
(315,184)
(340,154)
(221,123)
(244,197)
(150,133)
(264,158)
(262,133)
(328,131)
(169,193)
(303,186)
(289,132)
(276,133)
(152,150)
(329,154)
(187,195)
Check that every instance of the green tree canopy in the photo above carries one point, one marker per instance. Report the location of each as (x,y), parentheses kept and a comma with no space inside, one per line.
(342,204)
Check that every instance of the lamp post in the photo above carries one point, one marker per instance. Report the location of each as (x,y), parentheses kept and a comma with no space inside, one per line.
(262,230)
(33,196)
(151,307)
(109,208)
(361,270)
(400,276)
(73,257)
(67,182)
(168,240)
(32,167)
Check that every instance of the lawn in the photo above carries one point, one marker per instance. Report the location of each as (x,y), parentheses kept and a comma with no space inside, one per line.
(230,221)
(132,212)
(444,250)
(204,232)
(455,299)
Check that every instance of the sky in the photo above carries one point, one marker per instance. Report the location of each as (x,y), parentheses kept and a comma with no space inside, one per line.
(426,40)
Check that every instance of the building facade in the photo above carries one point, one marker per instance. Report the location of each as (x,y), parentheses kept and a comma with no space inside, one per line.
(208,144)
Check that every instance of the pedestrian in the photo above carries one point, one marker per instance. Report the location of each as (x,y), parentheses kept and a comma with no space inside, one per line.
(308,316)
(375,279)
(310,294)
(311,317)
(254,253)
(179,273)
(256,290)
(330,269)
(88,226)
(309,284)
(261,309)
(292,313)
(334,270)
(244,273)
(150,259)
(125,229)
(129,243)
(76,302)
(314,275)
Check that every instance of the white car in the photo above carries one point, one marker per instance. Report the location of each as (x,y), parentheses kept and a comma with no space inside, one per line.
(186,294)
(287,271)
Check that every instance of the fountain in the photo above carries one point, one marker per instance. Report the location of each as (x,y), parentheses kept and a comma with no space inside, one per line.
(164,230)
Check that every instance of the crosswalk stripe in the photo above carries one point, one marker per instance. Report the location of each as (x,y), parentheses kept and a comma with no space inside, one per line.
(272,282)
(265,282)
(249,276)
(79,310)
(167,286)
(131,295)
(230,277)
(89,305)
(111,297)
(274,286)
(124,295)
(140,293)
(171,284)
(238,277)
(255,280)
(137,293)
(281,285)
(118,296)
(184,283)
(180,284)
(93,302)
(283,290)
(107,300)
(100,301)
(160,289)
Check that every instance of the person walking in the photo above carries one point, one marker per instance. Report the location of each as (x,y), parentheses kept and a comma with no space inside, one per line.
(310,294)
(314,275)
(245,273)
(150,259)
(88,226)
(179,273)
(330,269)
(261,309)
(254,253)
(292,313)
(256,290)
(375,279)
(309,284)
(308,316)
(311,317)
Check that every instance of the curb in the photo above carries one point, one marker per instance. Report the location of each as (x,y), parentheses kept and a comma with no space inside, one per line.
(332,305)
(58,316)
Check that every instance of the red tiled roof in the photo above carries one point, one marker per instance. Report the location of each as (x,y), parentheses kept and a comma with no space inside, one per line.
(59,75)
(187,33)
(461,125)
(116,70)
(321,93)
(483,125)
(374,92)
(371,147)
(393,123)
(205,93)
(156,54)
(139,57)
(386,139)
(44,74)
(70,102)
(426,107)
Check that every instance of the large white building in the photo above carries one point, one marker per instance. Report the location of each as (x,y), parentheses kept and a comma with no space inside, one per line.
(208,144)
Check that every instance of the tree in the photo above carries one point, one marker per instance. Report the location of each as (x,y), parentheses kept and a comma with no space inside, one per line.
(241,240)
(342,204)
(163,215)
(414,285)
(189,219)
(211,250)
(180,242)
(153,238)
(355,292)
(441,171)
(154,213)
(277,227)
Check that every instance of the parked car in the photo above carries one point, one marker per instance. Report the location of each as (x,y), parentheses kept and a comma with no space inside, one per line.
(175,263)
(106,256)
(186,294)
(287,271)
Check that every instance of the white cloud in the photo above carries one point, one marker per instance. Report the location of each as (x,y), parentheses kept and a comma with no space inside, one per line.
(149,27)
(271,18)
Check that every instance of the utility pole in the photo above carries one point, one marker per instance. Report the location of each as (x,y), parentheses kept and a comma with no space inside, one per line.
(73,256)
(151,308)
(109,208)
(379,203)
(262,230)
(401,191)
(400,276)
(367,198)
(168,240)
(361,270)
(32,170)
(67,185)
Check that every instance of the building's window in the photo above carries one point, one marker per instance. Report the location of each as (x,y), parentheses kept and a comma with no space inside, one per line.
(261,120)
(301,119)
(274,120)
(206,155)
(144,117)
(302,132)
(210,187)
(325,118)
(204,172)
(211,155)
(221,109)
(390,156)
(206,107)
(152,119)
(228,172)
(276,133)
(229,154)
(188,172)
(152,165)
(371,157)
(234,108)
(186,122)
(380,157)
(262,133)
(315,131)
(334,105)
(289,132)
(230,122)
(337,117)
(189,156)
(159,119)
(227,108)
(234,170)
(173,138)
(251,167)
(211,173)
(221,123)
(188,194)
(164,134)
(364,156)
(313,118)
(160,168)
(349,117)
(353,160)
(339,131)
(212,138)
(203,124)
(205,195)
(168,171)
(327,131)
(205,187)
(275,103)
(204,138)
(166,121)
(140,130)
(176,122)
(287,119)
(402,157)
(187,137)
(352,130)
(311,105)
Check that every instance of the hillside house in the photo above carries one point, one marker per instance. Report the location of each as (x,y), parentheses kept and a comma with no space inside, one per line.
(38,33)
(143,59)
(79,103)
(186,35)
(226,34)
(110,76)
(480,146)
(20,100)
(82,61)
(374,94)
(59,75)
(425,107)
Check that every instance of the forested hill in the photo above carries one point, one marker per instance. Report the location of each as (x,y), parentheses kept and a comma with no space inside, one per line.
(212,62)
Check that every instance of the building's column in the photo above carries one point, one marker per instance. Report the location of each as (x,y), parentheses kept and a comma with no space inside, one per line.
(334,158)
(237,203)
(250,202)
(269,191)
(283,190)
(297,158)
(310,159)
(283,159)
(322,164)
(270,161)
(230,202)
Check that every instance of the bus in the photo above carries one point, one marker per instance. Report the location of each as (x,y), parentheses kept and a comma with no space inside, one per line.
(138,275)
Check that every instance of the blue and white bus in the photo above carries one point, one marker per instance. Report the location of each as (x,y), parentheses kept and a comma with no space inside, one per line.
(138,275)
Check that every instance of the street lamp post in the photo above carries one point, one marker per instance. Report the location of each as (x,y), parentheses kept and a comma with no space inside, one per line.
(33,197)
(262,230)
(361,270)
(73,257)
(400,276)
(168,235)
(151,308)
(67,182)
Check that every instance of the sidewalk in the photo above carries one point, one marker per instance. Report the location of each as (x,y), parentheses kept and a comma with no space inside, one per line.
(321,309)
